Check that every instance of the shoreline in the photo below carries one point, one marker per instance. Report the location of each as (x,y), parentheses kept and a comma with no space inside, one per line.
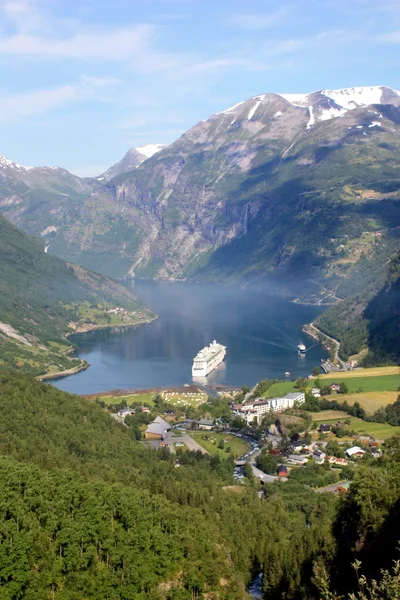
(60,374)
(91,328)
(85,365)
(310,329)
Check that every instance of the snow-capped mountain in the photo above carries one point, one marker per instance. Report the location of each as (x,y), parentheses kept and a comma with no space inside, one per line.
(132,159)
(263,185)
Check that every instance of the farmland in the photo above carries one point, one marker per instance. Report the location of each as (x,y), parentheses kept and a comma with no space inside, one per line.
(364,383)
(146,398)
(370,401)
(373,372)
(376,430)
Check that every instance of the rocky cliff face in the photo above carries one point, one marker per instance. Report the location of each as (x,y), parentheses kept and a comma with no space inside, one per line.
(283,184)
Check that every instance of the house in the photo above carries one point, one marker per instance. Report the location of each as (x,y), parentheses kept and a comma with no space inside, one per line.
(334,460)
(145,409)
(299,446)
(206,424)
(318,457)
(157,430)
(316,392)
(325,428)
(335,387)
(121,414)
(355,452)
(342,488)
(282,471)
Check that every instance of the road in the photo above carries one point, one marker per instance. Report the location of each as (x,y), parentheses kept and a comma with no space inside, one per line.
(260,475)
(344,365)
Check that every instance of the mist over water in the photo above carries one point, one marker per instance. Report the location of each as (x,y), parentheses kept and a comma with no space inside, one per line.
(261,332)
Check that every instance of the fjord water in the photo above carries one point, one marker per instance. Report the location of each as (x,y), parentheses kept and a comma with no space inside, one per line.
(260,331)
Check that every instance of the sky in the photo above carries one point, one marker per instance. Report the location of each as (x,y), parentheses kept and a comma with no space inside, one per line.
(82,81)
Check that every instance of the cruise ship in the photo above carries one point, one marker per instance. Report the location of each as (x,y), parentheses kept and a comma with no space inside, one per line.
(208,359)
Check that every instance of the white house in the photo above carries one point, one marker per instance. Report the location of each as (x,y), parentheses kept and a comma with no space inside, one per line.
(316,393)
(355,452)
(256,408)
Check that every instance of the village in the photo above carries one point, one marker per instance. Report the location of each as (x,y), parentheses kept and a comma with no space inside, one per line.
(268,439)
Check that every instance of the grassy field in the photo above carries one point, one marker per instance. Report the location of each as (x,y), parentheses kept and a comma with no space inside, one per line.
(279,389)
(238,446)
(326,416)
(371,401)
(364,383)
(377,430)
(130,399)
(374,372)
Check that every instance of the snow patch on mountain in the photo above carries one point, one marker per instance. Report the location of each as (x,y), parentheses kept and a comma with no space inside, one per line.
(259,100)
(229,110)
(5,162)
(150,149)
(311,120)
(331,113)
(350,98)
(295,99)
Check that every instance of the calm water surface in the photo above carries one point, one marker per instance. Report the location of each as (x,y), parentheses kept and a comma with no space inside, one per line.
(261,333)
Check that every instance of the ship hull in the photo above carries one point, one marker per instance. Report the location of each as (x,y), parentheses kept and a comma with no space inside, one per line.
(206,370)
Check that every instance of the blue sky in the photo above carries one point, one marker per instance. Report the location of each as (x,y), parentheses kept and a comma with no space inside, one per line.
(84,80)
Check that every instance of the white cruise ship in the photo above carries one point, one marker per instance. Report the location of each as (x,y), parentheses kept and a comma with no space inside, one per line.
(208,359)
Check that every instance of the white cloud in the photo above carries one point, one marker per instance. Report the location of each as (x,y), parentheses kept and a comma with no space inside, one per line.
(35,102)
(389,38)
(117,44)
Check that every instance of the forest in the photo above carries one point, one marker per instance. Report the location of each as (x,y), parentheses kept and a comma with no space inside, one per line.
(88,512)
(56,290)
(368,315)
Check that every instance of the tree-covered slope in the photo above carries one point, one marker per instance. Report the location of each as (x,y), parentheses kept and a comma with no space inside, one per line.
(43,298)
(88,512)
(369,317)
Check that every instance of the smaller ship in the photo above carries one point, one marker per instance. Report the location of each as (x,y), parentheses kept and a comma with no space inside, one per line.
(301,348)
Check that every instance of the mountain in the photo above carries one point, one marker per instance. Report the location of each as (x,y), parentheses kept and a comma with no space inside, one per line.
(132,159)
(278,185)
(43,298)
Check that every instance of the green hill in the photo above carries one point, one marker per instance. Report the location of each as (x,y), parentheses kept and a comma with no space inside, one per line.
(42,299)
(370,317)
(88,512)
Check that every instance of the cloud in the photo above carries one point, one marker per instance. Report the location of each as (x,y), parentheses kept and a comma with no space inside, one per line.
(256,22)
(35,102)
(117,44)
(389,38)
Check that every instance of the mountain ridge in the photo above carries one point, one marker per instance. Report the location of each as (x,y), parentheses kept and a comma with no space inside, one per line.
(248,182)
(132,159)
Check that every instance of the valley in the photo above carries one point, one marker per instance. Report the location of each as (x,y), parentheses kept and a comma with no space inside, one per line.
(300,192)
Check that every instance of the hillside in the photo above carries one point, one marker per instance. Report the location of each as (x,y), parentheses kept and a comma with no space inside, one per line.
(88,512)
(289,186)
(369,317)
(43,298)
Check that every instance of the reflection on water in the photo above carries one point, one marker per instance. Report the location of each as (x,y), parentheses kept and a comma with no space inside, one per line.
(261,333)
